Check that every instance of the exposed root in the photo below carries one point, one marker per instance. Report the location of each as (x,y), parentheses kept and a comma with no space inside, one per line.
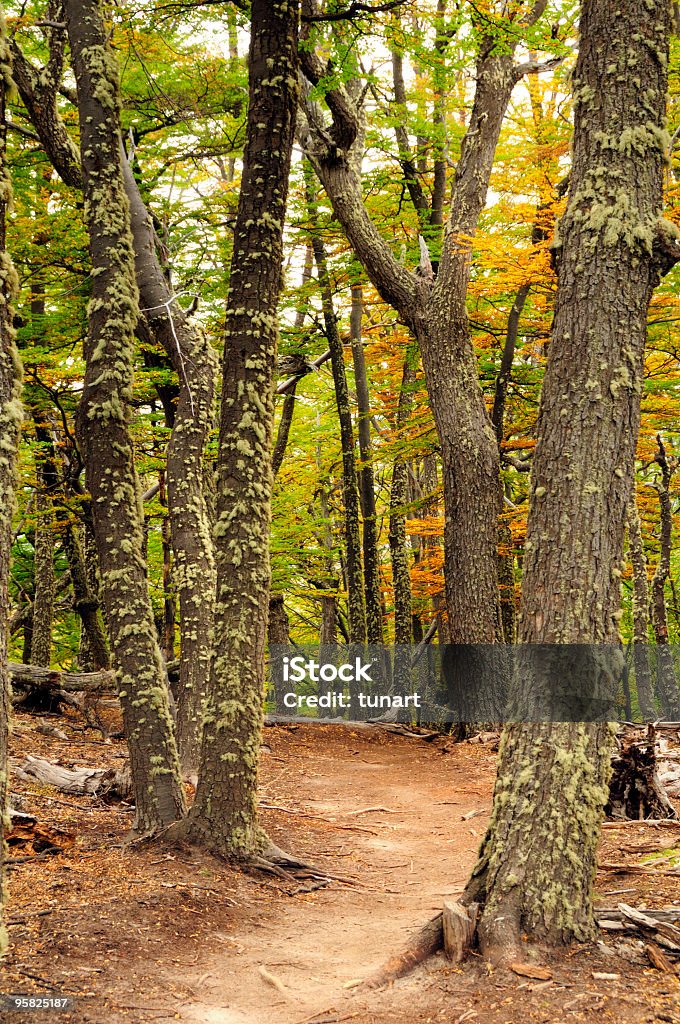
(276,861)
(424,944)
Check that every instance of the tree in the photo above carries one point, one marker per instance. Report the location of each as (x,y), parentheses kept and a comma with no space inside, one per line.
(434,309)
(224,816)
(195,364)
(10,419)
(537,861)
(102,426)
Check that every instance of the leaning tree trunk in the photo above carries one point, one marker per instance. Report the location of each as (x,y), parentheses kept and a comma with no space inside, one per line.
(102,426)
(537,861)
(10,420)
(195,363)
(224,815)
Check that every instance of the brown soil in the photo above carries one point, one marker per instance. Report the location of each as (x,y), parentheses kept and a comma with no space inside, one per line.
(151,933)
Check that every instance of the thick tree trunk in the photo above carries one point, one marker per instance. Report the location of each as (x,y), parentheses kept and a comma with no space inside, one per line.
(666,682)
(643,675)
(224,816)
(10,420)
(537,861)
(374,624)
(103,431)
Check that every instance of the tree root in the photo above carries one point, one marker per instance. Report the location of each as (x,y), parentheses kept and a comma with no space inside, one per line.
(275,861)
(424,944)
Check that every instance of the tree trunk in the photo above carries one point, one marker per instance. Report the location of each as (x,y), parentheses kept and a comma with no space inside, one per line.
(278,635)
(537,862)
(643,675)
(94,646)
(103,431)
(350,486)
(10,421)
(43,565)
(224,816)
(435,311)
(401,569)
(374,624)
(194,362)
(666,682)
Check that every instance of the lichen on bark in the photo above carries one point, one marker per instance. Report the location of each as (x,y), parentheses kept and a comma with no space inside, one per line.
(103,431)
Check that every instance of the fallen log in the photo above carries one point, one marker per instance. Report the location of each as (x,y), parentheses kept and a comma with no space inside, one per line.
(26,676)
(107,784)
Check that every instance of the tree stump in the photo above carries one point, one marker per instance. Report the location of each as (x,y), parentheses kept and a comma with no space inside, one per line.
(635,790)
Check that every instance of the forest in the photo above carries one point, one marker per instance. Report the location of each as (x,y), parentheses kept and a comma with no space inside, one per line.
(339,497)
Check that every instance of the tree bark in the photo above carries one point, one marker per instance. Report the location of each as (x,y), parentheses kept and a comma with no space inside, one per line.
(537,862)
(102,427)
(195,363)
(666,682)
(371,550)
(10,421)
(224,815)
(643,675)
(278,634)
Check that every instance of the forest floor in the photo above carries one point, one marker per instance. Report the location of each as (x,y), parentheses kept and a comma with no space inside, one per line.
(146,932)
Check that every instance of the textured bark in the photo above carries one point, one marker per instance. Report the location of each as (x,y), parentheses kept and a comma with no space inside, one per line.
(667,685)
(81,551)
(223,816)
(195,364)
(537,862)
(435,311)
(371,550)
(643,675)
(10,420)
(350,486)
(102,427)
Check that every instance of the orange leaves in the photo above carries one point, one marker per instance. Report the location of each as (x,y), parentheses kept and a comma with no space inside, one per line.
(430,526)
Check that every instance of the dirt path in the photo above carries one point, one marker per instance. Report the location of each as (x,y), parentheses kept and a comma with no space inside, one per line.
(398,809)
